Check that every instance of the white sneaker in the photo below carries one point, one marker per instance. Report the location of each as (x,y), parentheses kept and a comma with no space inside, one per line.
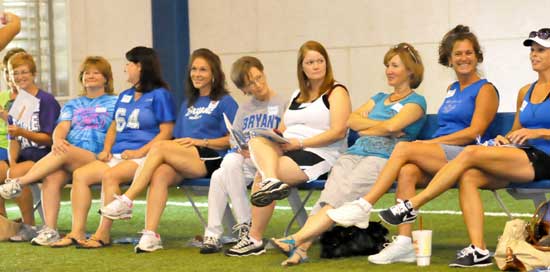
(117,209)
(350,214)
(394,253)
(10,189)
(46,236)
(149,242)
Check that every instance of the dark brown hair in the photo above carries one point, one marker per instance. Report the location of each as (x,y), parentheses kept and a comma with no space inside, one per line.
(459,33)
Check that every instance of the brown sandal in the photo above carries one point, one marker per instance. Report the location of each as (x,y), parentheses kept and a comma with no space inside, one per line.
(92,243)
(67,240)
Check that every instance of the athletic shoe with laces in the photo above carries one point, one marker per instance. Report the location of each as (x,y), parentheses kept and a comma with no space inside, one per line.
(351,214)
(210,245)
(10,189)
(242,230)
(270,190)
(46,236)
(400,213)
(117,209)
(25,234)
(245,247)
(149,242)
(394,252)
(470,257)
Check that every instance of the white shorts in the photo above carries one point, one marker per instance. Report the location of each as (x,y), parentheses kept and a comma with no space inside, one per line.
(116,159)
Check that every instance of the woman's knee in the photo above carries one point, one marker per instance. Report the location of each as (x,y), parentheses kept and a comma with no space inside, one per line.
(471,179)
(469,155)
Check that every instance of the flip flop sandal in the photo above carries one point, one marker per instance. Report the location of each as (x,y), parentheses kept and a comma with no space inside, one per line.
(92,243)
(66,241)
(276,243)
(303,258)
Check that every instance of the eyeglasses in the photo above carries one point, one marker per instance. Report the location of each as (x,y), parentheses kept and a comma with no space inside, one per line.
(404,46)
(311,62)
(257,80)
(14,74)
(542,33)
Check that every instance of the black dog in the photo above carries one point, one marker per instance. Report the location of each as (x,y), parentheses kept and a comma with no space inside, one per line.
(353,241)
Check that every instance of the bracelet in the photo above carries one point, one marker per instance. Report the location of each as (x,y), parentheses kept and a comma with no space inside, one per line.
(205,142)
(301,143)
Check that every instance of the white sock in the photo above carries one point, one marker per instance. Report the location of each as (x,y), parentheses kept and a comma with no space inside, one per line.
(365,204)
(256,242)
(482,251)
(151,233)
(402,239)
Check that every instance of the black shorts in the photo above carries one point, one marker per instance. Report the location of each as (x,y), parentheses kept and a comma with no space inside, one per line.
(309,160)
(32,154)
(540,162)
(211,158)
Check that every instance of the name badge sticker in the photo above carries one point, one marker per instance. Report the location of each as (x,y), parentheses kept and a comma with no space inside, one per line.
(450,93)
(126,99)
(523,105)
(273,110)
(397,107)
(101,109)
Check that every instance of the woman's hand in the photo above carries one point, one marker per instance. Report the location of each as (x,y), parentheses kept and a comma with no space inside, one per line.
(521,135)
(501,140)
(293,144)
(104,156)
(186,142)
(60,146)
(14,131)
(131,154)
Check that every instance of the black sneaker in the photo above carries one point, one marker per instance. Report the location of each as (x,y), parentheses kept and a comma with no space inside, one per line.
(245,247)
(399,213)
(470,257)
(270,190)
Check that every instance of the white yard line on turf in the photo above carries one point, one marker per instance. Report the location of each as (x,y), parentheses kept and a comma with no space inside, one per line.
(286,208)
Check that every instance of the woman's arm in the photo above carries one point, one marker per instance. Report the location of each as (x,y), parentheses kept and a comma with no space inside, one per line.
(486,107)
(13,151)
(394,126)
(339,113)
(215,143)
(40,138)
(520,135)
(110,138)
(359,119)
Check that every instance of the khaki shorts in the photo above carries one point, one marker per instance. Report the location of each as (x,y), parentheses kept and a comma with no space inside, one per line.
(352,176)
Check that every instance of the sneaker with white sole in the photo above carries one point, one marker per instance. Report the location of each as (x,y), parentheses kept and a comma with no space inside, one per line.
(472,257)
(149,242)
(394,252)
(245,247)
(211,245)
(10,189)
(25,234)
(46,236)
(242,230)
(117,209)
(351,214)
(270,190)
(400,213)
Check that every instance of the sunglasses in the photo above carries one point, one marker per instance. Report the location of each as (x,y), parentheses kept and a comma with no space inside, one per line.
(543,34)
(404,46)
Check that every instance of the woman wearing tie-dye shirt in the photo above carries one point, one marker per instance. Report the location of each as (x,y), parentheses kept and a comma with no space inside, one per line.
(77,138)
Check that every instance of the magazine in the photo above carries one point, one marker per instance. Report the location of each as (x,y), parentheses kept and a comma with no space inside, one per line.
(240,140)
(271,134)
(237,137)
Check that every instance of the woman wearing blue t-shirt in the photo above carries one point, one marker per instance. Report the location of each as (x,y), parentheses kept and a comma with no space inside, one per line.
(467,112)
(382,122)
(495,167)
(77,138)
(201,140)
(143,115)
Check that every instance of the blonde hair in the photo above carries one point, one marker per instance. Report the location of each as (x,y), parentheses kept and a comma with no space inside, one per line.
(104,67)
(20,59)
(411,59)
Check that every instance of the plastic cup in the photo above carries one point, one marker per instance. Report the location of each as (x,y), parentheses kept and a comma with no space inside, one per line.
(422,240)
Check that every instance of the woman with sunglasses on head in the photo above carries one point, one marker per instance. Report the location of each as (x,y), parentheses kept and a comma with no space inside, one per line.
(77,138)
(382,122)
(201,140)
(29,139)
(522,155)
(315,126)
(143,115)
(236,172)
(467,112)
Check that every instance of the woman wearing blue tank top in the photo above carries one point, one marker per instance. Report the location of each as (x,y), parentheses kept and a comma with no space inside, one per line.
(522,155)
(467,112)
(382,122)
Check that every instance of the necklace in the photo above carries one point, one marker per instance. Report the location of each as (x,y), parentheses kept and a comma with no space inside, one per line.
(398,98)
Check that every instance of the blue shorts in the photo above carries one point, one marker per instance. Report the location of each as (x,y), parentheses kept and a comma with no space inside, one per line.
(3,154)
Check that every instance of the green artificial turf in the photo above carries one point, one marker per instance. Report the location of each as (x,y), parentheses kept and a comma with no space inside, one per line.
(180,224)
